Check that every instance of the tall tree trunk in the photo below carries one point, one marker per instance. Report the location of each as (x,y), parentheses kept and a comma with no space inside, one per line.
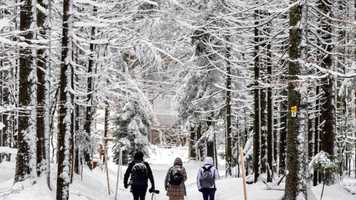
(310,139)
(276,135)
(89,108)
(2,132)
(292,183)
(199,150)
(256,136)
(263,130)
(41,91)
(24,155)
(72,124)
(327,108)
(6,115)
(283,137)
(316,135)
(228,133)
(106,130)
(64,127)
(192,140)
(269,114)
(210,141)
(76,145)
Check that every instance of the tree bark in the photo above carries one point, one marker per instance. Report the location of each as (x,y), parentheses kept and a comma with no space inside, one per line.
(293,166)
(263,130)
(256,136)
(63,173)
(192,152)
(2,134)
(23,168)
(41,92)
(269,114)
(89,107)
(228,133)
(283,137)
(316,136)
(327,108)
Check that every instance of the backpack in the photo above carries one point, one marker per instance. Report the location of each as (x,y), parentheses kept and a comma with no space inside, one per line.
(176,176)
(139,174)
(207,179)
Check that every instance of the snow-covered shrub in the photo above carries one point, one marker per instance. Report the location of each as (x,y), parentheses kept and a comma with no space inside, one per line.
(324,163)
(131,130)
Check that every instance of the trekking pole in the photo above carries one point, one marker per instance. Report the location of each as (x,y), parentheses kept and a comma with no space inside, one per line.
(153,193)
(242,167)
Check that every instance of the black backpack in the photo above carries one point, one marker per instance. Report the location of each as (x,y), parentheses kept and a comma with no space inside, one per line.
(207,179)
(139,174)
(176,176)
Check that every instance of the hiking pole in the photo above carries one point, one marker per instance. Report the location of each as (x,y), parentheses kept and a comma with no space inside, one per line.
(153,193)
(242,168)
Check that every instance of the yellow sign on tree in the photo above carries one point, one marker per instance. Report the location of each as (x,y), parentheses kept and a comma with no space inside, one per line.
(294,110)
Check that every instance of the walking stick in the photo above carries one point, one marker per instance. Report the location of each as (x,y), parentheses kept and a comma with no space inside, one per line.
(242,168)
(153,194)
(107,173)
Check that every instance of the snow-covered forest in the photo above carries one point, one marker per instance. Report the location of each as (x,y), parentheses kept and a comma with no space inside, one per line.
(267,88)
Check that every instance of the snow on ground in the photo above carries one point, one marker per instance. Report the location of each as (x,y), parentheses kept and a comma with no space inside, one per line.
(334,192)
(93,186)
(349,184)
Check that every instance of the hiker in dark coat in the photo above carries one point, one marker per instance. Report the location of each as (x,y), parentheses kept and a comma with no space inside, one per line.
(206,177)
(174,182)
(139,172)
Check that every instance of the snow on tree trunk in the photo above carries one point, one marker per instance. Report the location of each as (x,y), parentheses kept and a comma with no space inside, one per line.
(65,107)
(26,155)
(293,165)
(90,83)
(327,108)
(257,113)
(316,134)
(269,108)
(228,132)
(283,137)
(41,91)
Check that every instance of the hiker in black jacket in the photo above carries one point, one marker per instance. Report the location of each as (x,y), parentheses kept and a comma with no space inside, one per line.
(139,172)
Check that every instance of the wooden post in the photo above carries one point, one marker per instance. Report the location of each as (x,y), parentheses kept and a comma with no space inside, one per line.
(107,170)
(242,168)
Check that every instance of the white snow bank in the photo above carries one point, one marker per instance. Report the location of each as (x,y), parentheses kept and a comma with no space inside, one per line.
(334,192)
(28,191)
(349,184)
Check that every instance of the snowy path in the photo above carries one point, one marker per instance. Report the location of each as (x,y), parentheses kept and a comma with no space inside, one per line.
(93,185)
(228,189)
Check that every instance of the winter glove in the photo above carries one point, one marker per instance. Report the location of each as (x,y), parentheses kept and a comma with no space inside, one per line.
(151,190)
(126,185)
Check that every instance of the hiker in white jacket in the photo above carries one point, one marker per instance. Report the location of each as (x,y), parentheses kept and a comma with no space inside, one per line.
(206,177)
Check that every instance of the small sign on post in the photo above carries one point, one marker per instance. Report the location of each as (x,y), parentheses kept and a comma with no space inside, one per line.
(294,110)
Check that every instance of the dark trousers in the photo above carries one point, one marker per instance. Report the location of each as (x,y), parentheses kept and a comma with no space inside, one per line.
(139,193)
(208,193)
